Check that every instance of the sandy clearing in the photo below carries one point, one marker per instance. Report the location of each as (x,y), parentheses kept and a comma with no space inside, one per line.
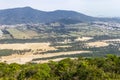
(22,59)
(32,46)
(97,44)
(112,40)
(83,38)
(62,46)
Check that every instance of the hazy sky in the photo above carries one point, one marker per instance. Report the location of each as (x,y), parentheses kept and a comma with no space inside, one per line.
(106,8)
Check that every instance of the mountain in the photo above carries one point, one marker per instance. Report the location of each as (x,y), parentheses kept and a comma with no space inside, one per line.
(30,15)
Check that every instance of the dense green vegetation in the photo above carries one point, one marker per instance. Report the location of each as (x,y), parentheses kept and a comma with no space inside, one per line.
(105,68)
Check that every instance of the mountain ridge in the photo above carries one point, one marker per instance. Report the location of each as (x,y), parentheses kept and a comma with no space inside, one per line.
(30,15)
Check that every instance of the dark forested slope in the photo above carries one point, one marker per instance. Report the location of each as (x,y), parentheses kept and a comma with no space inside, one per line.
(30,15)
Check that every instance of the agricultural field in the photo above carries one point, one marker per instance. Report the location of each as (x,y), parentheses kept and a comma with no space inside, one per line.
(24,46)
(25,34)
(39,43)
(44,52)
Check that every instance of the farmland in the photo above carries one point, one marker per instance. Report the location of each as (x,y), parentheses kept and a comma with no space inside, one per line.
(40,43)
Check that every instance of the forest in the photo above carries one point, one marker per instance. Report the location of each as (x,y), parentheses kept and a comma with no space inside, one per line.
(98,68)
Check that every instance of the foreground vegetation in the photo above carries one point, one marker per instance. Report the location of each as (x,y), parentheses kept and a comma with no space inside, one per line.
(107,68)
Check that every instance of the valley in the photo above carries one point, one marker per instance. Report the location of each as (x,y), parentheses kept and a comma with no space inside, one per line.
(28,35)
(39,43)
(59,40)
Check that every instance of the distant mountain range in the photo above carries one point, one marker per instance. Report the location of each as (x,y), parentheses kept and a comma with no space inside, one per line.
(30,15)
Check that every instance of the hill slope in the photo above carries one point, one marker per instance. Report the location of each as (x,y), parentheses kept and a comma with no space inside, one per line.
(29,15)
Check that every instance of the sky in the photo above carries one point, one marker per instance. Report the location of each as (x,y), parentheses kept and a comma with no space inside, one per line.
(99,8)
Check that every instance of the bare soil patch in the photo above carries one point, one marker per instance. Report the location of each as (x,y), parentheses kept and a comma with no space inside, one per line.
(22,59)
(32,46)
(83,38)
(112,40)
(97,44)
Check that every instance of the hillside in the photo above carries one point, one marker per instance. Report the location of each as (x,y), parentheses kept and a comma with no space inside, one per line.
(67,32)
(30,15)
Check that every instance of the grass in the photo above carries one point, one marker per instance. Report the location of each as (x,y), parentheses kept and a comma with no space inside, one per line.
(17,34)
(25,34)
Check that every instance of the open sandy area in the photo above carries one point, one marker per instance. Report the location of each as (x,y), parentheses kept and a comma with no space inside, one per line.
(112,40)
(83,38)
(32,46)
(22,59)
(97,44)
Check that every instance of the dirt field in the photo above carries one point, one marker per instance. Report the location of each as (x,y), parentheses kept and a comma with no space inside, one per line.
(97,44)
(28,56)
(83,39)
(112,40)
(32,46)
(62,46)
(22,59)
